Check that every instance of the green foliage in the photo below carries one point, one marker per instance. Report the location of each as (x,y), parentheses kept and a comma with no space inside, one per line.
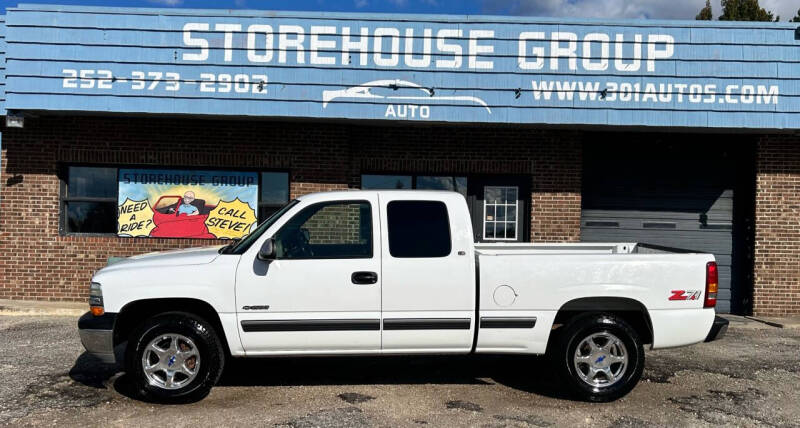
(796,18)
(705,13)
(745,10)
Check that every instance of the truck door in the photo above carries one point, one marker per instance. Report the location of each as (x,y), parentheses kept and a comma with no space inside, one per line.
(322,292)
(428,283)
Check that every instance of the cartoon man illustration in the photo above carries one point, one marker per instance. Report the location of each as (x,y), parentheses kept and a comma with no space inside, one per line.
(186,206)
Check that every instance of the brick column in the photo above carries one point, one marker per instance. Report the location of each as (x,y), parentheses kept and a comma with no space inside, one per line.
(776,288)
(556,190)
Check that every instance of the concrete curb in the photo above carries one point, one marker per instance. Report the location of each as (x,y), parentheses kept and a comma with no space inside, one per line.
(41,308)
(761,323)
(787,322)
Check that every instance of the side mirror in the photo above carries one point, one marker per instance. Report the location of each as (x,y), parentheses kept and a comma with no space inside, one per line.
(267,251)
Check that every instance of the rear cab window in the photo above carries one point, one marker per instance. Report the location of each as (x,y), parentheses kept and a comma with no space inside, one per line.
(418,229)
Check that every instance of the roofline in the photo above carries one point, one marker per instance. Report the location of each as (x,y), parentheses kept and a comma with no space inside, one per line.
(389,123)
(400,17)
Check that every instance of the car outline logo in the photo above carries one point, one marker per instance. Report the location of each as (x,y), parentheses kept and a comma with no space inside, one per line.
(362,91)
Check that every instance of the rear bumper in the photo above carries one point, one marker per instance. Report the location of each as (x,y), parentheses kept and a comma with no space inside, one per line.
(97,335)
(718,329)
(680,327)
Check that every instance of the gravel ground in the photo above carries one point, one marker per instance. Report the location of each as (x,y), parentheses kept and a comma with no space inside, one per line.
(749,378)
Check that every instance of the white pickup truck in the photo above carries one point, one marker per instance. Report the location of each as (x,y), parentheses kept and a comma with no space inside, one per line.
(394,272)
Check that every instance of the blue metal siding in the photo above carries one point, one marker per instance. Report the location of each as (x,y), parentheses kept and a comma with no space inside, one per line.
(2,65)
(44,41)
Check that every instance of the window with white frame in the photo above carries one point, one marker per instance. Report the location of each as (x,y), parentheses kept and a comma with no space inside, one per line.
(500,213)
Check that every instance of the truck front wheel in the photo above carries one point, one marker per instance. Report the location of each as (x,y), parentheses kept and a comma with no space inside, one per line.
(174,358)
(599,356)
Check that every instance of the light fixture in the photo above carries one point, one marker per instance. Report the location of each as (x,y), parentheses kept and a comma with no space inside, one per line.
(15,120)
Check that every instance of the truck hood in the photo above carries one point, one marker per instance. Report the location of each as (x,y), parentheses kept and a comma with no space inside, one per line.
(189,256)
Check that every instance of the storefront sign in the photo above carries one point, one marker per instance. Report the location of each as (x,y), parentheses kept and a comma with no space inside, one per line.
(186,204)
(403,67)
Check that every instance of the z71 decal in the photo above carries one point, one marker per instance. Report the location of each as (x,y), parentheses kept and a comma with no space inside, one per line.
(684,295)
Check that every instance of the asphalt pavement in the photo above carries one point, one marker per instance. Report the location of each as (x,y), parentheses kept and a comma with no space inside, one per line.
(749,378)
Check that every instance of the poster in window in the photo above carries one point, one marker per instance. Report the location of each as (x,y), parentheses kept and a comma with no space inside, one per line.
(186,203)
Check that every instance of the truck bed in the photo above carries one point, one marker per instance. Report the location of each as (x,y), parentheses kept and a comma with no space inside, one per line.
(535,280)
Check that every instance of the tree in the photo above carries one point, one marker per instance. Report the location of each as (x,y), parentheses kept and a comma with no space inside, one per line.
(796,18)
(745,10)
(705,13)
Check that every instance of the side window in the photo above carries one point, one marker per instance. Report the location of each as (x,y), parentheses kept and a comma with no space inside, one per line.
(329,230)
(89,200)
(373,181)
(273,193)
(421,182)
(418,229)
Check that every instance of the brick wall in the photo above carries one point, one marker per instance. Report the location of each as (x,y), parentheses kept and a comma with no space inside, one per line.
(38,263)
(777,251)
(551,159)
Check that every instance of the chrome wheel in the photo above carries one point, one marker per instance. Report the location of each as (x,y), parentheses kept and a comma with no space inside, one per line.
(170,361)
(600,359)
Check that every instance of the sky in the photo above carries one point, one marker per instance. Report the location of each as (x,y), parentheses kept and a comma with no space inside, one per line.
(641,9)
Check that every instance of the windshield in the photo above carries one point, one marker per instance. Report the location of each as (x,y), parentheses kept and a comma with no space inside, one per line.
(242,246)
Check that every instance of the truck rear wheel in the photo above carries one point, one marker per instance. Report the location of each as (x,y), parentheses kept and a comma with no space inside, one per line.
(174,358)
(600,357)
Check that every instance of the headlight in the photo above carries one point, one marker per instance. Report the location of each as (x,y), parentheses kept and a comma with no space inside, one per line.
(96,299)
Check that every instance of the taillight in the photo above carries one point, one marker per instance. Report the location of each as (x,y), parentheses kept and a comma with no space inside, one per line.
(712,285)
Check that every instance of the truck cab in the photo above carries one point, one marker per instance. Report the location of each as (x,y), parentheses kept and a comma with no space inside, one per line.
(341,268)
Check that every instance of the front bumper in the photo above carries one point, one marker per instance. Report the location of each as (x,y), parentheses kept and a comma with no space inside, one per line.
(97,335)
(718,329)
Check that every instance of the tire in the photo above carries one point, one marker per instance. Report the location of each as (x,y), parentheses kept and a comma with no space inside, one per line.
(179,344)
(619,368)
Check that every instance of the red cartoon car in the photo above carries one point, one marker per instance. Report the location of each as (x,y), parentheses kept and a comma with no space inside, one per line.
(170,224)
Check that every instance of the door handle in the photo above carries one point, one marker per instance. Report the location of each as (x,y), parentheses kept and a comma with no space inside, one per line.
(364,277)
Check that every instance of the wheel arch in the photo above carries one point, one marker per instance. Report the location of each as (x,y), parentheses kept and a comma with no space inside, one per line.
(630,310)
(136,312)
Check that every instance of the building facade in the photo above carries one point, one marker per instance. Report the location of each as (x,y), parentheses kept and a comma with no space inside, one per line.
(146,129)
